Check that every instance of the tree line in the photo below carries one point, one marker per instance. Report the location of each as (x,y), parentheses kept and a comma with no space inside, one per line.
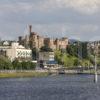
(6,64)
(74,55)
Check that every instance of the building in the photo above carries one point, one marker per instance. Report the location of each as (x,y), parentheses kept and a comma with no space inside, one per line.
(4,45)
(19,52)
(61,43)
(16,51)
(50,43)
(24,41)
(34,40)
(45,58)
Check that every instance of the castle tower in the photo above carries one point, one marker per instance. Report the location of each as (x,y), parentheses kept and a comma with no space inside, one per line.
(30,29)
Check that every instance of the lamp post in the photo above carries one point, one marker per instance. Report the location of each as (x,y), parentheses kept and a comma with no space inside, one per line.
(80,54)
(95,71)
(95,66)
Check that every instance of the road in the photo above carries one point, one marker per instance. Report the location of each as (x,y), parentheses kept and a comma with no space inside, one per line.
(62,87)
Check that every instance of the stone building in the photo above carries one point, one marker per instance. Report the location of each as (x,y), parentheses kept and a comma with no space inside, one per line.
(61,43)
(34,40)
(50,43)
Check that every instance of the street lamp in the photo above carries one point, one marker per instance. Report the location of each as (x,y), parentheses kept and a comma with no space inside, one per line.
(95,73)
(95,60)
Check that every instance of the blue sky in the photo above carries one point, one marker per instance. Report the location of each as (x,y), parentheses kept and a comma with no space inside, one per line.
(79,19)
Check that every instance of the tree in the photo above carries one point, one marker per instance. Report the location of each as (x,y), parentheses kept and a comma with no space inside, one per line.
(65,59)
(24,65)
(17,65)
(72,50)
(34,53)
(58,56)
(46,49)
(5,63)
(28,65)
(84,50)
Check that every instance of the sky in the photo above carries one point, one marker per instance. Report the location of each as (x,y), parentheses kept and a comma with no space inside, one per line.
(75,19)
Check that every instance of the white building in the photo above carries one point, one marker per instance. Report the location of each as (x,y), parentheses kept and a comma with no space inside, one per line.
(46,56)
(16,51)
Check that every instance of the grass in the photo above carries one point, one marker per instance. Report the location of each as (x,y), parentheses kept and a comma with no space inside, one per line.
(23,74)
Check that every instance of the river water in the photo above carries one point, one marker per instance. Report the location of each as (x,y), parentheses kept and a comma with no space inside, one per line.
(62,87)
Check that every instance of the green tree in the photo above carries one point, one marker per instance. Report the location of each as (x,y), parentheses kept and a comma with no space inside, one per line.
(58,56)
(72,50)
(5,63)
(28,65)
(84,50)
(17,65)
(45,49)
(65,59)
(35,53)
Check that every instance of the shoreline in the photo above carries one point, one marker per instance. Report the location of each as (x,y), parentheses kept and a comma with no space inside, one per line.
(22,74)
(39,73)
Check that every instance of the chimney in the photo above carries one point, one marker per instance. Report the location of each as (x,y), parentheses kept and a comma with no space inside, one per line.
(30,28)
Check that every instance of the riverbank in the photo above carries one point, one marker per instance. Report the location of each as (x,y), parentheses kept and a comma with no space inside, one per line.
(18,74)
(40,73)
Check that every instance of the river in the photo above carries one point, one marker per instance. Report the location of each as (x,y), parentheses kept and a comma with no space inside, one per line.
(61,87)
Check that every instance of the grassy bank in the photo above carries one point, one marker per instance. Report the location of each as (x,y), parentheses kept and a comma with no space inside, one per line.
(18,74)
(23,74)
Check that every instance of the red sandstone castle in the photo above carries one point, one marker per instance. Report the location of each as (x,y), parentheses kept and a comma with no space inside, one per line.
(34,40)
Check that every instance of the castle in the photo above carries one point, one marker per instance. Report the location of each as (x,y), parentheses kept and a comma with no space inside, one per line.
(34,40)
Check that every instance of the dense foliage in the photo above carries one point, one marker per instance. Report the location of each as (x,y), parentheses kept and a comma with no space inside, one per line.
(34,53)
(75,55)
(6,64)
(46,49)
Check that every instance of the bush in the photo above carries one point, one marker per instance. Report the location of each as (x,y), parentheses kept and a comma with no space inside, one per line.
(28,65)
(16,64)
(23,65)
(5,63)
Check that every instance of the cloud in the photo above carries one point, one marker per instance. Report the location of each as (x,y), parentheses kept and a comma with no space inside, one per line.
(68,30)
(89,28)
(15,7)
(53,18)
(81,6)
(83,32)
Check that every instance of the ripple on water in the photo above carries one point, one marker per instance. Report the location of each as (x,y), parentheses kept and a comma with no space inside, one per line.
(63,87)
